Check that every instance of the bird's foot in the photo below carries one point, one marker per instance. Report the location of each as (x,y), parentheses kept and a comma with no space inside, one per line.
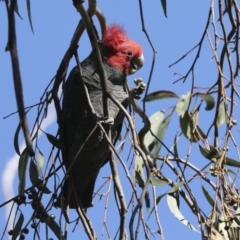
(107,120)
(139,89)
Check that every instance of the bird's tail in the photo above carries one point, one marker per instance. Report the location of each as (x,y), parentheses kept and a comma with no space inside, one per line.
(67,196)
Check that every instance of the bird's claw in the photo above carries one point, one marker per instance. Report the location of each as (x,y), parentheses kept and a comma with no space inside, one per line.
(139,89)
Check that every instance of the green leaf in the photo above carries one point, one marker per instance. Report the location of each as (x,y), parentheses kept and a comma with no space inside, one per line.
(15,141)
(230,171)
(160,197)
(190,128)
(161,133)
(210,102)
(207,196)
(213,217)
(46,190)
(141,182)
(29,14)
(221,118)
(215,235)
(139,179)
(164,6)
(224,233)
(138,170)
(175,147)
(34,173)
(232,162)
(54,227)
(54,141)
(235,222)
(16,10)
(34,177)
(163,94)
(18,227)
(236,219)
(157,201)
(40,160)
(213,154)
(183,103)
(22,167)
(176,187)
(159,126)
(147,201)
(158,182)
(155,121)
(210,153)
(173,206)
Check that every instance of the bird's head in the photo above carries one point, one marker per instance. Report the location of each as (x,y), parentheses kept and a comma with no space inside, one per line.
(122,52)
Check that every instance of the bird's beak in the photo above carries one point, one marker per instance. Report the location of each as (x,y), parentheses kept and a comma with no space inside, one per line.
(136,64)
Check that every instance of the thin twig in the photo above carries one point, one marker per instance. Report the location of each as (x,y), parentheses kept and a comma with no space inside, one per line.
(12,48)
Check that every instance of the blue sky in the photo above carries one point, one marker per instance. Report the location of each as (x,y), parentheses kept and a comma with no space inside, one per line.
(40,54)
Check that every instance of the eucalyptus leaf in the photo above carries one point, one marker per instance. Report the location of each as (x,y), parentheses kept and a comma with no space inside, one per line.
(230,171)
(17,12)
(213,154)
(46,190)
(158,95)
(54,141)
(51,223)
(173,206)
(221,118)
(147,201)
(164,6)
(158,182)
(236,219)
(157,200)
(190,128)
(18,227)
(34,177)
(139,179)
(176,187)
(138,169)
(222,229)
(29,14)
(216,235)
(161,133)
(155,121)
(40,161)
(15,141)
(210,102)
(22,169)
(149,141)
(210,153)
(232,162)
(175,147)
(35,180)
(183,103)
(207,196)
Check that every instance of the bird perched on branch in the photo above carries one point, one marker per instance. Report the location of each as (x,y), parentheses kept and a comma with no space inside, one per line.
(121,56)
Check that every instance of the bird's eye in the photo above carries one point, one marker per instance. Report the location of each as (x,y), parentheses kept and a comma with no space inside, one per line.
(130,54)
